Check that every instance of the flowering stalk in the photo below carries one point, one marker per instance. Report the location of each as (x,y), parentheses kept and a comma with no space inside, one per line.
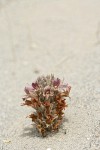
(47,97)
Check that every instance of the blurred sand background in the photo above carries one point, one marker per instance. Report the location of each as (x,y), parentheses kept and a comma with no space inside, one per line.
(50,36)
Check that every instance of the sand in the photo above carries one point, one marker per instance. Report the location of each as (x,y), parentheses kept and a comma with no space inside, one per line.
(50,36)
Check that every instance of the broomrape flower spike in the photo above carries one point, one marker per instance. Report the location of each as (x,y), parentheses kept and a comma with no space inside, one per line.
(47,97)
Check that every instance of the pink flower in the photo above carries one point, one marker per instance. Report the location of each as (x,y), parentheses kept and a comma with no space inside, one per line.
(28,89)
(35,85)
(56,82)
(47,89)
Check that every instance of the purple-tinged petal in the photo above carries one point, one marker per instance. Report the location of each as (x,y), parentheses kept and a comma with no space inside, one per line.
(28,89)
(35,85)
(47,89)
(56,82)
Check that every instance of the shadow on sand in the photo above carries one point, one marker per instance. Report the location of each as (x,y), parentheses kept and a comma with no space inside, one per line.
(32,132)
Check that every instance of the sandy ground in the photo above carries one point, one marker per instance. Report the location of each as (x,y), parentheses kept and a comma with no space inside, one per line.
(50,36)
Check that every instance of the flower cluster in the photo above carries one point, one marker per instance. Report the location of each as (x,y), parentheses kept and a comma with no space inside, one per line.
(47,97)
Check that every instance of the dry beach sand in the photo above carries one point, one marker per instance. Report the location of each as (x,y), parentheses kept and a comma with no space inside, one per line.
(50,36)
